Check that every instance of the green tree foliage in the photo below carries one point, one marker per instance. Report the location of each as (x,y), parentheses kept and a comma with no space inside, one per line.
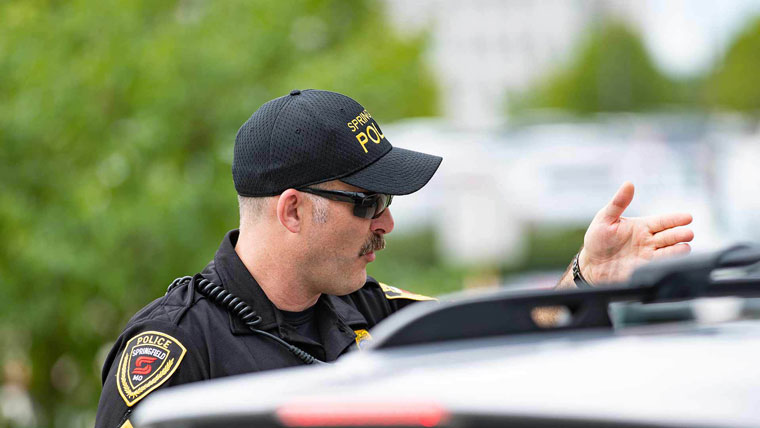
(117,120)
(734,84)
(611,72)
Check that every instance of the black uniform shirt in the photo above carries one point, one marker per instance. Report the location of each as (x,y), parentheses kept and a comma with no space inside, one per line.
(184,337)
(304,323)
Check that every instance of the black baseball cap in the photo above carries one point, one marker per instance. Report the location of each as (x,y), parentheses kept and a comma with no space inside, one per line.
(313,136)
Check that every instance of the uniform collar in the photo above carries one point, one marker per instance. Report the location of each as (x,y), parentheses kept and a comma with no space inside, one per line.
(228,269)
(337,321)
(344,310)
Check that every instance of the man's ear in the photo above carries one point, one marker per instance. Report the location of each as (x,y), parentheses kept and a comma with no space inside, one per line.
(288,206)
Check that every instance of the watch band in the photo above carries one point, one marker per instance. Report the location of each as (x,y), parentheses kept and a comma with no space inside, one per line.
(578,278)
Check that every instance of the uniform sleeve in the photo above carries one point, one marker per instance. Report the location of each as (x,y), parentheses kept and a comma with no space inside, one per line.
(145,358)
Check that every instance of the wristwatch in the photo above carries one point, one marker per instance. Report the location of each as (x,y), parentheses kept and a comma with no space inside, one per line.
(578,278)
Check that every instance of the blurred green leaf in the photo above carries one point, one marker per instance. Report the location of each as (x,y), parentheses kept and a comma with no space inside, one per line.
(612,71)
(733,85)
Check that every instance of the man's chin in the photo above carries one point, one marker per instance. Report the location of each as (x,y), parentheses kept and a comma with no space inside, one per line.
(355,285)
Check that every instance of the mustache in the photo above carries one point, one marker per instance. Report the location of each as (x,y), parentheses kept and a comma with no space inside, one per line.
(375,242)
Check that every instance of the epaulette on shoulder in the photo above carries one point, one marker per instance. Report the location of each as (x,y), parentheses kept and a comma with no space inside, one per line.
(392,292)
(170,307)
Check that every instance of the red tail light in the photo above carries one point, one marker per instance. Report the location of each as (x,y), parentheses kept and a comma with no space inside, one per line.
(422,414)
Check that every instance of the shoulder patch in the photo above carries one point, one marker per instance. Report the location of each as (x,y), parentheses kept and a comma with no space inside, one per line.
(392,292)
(148,360)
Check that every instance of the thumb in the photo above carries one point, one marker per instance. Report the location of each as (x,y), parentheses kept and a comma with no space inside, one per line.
(619,203)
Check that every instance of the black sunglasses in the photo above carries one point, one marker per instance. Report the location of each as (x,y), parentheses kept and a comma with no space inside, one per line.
(366,205)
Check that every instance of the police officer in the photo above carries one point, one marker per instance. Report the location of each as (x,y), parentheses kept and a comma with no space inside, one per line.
(315,176)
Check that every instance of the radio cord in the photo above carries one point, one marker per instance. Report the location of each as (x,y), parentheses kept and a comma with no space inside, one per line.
(217,294)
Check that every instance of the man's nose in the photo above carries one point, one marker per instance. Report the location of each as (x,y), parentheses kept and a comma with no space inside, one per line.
(383,224)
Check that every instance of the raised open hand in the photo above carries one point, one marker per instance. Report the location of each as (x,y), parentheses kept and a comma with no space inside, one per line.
(614,245)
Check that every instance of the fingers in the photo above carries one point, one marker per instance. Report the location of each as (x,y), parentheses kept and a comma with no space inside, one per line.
(670,237)
(619,202)
(679,249)
(667,221)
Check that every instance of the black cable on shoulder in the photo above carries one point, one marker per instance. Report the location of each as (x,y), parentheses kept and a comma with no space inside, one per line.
(240,309)
(233,303)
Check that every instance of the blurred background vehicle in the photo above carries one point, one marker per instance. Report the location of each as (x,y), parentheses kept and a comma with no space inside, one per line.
(117,121)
